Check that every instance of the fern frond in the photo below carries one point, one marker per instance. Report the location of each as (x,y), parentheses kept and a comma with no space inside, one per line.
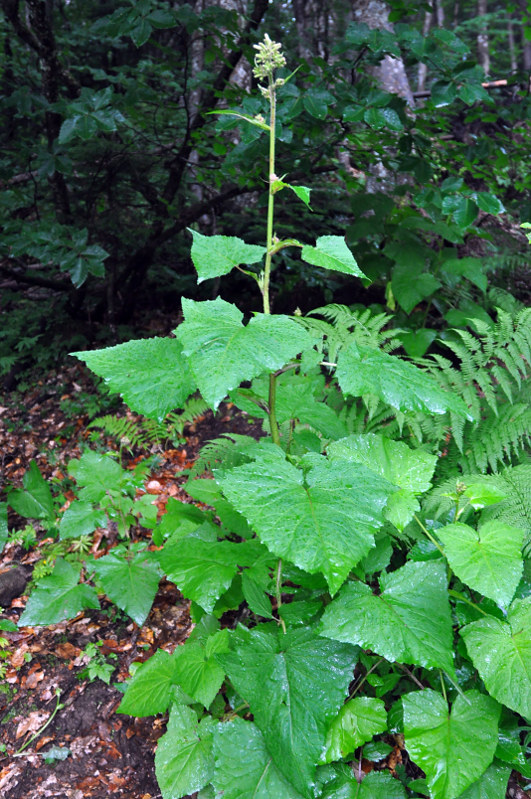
(229,450)
(344,325)
(515,509)
(127,432)
(194,407)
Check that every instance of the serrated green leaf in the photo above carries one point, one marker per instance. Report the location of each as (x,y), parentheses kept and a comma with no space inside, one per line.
(149,691)
(417,342)
(302,192)
(80,518)
(470,93)
(130,580)
(491,785)
(393,460)
(35,500)
(488,560)
(356,723)
(223,352)
(58,597)
(408,622)
(411,286)
(471,268)
(203,570)
(151,375)
(376,785)
(401,508)
(323,521)
(214,256)
(501,652)
(440,742)
(96,474)
(331,252)
(362,370)
(482,495)
(294,684)
(197,672)
(184,761)
(253,775)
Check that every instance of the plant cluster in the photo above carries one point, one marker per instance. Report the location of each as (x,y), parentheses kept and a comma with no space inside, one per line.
(358,578)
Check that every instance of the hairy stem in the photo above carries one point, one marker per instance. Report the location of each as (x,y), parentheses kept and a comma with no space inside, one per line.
(266,278)
(278,592)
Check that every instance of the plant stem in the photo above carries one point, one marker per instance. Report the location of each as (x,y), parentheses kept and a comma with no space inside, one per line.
(358,686)
(271,196)
(463,598)
(432,539)
(278,593)
(443,686)
(266,278)
(58,707)
(272,412)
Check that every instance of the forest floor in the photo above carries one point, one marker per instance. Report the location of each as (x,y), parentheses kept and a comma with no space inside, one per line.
(105,753)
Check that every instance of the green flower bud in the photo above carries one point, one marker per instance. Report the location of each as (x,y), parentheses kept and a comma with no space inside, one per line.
(268,58)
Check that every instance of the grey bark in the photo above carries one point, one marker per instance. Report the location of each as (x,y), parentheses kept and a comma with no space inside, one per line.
(483,39)
(512,46)
(526,44)
(391,72)
(423,68)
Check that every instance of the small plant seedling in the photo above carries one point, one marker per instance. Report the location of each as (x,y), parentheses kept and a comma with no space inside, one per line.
(99,666)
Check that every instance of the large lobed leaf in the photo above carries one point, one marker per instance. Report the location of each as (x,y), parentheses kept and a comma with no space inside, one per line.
(204,570)
(58,597)
(452,748)
(184,762)
(214,256)
(35,500)
(323,521)
(341,784)
(363,370)
(488,560)
(223,352)
(252,775)
(96,474)
(408,622)
(501,652)
(294,684)
(130,580)
(331,252)
(395,461)
(354,725)
(151,375)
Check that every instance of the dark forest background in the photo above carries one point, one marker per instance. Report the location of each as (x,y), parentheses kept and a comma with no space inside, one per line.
(409,120)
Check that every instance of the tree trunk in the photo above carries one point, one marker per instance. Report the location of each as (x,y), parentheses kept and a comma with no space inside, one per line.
(526,43)
(391,72)
(423,68)
(512,48)
(439,13)
(483,39)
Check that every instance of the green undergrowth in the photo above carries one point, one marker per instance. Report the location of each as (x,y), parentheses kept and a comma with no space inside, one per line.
(358,578)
